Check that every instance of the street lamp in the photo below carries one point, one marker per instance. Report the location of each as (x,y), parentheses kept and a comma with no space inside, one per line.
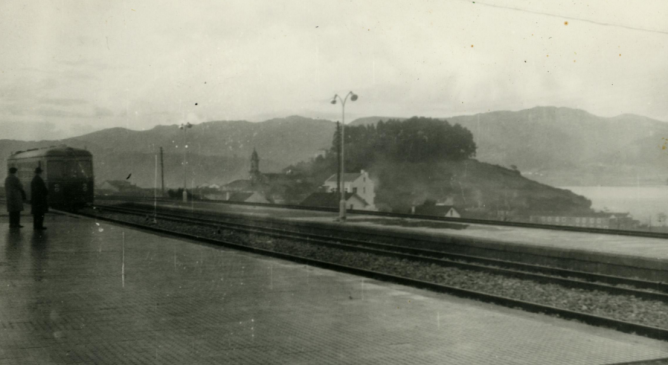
(184,128)
(342,203)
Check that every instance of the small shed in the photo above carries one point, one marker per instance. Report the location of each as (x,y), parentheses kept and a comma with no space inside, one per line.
(449,211)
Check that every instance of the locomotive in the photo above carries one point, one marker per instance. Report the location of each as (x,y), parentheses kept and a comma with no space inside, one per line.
(67,172)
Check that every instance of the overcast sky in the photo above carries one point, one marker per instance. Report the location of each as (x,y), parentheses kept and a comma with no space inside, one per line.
(68,67)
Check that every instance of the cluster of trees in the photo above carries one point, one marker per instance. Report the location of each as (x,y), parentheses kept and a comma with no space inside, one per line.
(414,140)
(426,160)
(403,155)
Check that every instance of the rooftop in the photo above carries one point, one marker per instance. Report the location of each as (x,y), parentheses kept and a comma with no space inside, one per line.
(52,151)
(347,177)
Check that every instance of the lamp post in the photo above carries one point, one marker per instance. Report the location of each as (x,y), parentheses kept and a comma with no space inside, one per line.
(342,203)
(184,128)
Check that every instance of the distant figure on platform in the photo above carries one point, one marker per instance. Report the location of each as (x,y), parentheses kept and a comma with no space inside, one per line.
(39,200)
(15,197)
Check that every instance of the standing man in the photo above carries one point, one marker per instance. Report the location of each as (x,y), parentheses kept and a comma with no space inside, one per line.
(39,200)
(15,197)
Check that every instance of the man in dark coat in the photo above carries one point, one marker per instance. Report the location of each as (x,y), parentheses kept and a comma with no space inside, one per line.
(38,200)
(15,197)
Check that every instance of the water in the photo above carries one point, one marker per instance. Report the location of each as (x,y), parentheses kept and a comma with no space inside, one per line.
(643,202)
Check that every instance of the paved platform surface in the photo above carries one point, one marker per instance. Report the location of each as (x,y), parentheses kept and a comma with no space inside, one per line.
(639,247)
(86,292)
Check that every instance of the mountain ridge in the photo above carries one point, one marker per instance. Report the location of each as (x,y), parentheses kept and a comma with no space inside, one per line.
(553,145)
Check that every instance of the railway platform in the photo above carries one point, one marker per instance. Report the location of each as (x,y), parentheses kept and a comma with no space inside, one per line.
(89,292)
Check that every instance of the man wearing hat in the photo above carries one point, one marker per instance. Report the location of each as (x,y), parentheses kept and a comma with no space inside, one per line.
(38,200)
(15,197)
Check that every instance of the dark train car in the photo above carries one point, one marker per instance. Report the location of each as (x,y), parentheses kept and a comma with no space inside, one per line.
(67,172)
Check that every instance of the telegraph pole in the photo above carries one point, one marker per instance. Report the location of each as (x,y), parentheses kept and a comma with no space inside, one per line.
(185,127)
(162,172)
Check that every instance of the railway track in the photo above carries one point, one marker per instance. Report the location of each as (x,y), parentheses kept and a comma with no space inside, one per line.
(579,279)
(487,222)
(571,279)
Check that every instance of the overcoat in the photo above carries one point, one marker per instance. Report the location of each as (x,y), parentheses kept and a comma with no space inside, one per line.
(14,193)
(38,196)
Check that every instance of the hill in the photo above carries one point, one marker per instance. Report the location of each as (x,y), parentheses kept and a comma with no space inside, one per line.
(479,189)
(566,147)
(556,146)
(427,160)
(218,152)
(286,140)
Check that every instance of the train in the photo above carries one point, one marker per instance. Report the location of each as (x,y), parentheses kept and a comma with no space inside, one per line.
(67,172)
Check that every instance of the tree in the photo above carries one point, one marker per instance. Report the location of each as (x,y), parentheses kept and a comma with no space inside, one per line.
(409,158)
(417,139)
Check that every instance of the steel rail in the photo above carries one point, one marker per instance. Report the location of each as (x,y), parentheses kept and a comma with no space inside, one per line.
(623,326)
(546,270)
(617,232)
(415,255)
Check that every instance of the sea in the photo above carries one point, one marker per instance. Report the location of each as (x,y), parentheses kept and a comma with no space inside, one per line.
(645,203)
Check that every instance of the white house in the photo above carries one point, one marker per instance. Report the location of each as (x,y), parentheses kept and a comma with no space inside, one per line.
(356,183)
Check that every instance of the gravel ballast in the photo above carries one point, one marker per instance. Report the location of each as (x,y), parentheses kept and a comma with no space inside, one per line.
(620,307)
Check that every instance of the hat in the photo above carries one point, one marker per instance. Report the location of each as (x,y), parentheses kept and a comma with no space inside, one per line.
(12,170)
(38,170)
